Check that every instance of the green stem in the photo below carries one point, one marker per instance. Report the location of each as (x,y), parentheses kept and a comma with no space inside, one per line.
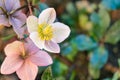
(33,2)
(8,37)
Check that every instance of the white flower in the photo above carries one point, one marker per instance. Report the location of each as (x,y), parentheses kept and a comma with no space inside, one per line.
(44,33)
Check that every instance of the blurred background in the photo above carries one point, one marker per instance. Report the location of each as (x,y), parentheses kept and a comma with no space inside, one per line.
(92,51)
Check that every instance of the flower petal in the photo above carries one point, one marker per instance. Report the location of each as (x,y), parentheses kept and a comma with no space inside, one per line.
(18,20)
(11,64)
(13,48)
(36,40)
(41,58)
(4,21)
(52,47)
(2,4)
(28,71)
(30,46)
(32,23)
(61,32)
(11,5)
(47,16)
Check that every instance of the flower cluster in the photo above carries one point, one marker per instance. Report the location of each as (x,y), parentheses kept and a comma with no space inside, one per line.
(23,57)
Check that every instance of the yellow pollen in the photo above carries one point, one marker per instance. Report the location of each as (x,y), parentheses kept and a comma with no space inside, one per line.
(45,31)
(23,53)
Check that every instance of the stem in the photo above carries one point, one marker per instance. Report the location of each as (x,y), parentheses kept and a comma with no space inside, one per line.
(18,9)
(3,11)
(8,37)
(33,2)
(29,6)
(111,68)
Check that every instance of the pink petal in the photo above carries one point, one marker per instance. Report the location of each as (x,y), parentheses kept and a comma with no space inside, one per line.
(14,48)
(61,32)
(30,46)
(47,16)
(18,21)
(52,47)
(41,58)
(11,64)
(11,5)
(28,71)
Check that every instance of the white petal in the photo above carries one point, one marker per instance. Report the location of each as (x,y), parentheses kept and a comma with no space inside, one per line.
(32,23)
(36,40)
(47,16)
(52,47)
(61,32)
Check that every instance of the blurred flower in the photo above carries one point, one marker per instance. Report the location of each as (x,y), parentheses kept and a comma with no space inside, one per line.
(46,34)
(9,16)
(86,5)
(24,59)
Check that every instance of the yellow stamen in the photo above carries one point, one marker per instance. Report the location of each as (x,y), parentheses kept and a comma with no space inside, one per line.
(45,31)
(23,53)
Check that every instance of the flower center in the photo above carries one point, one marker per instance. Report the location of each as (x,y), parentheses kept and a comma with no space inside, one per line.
(45,31)
(24,54)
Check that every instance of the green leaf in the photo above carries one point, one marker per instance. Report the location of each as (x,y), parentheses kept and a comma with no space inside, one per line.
(83,19)
(84,42)
(119,62)
(101,21)
(98,57)
(47,75)
(94,72)
(104,19)
(35,1)
(59,68)
(71,9)
(113,34)
(116,76)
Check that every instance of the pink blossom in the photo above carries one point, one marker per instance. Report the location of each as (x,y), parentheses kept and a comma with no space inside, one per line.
(23,58)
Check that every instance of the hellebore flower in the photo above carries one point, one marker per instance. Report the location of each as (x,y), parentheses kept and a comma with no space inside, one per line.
(46,34)
(23,58)
(8,16)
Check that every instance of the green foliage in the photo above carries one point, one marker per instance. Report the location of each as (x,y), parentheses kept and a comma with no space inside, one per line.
(47,75)
(41,6)
(110,4)
(119,62)
(112,35)
(59,68)
(94,72)
(98,57)
(83,19)
(84,42)
(35,1)
(71,9)
(69,51)
(116,76)
(101,22)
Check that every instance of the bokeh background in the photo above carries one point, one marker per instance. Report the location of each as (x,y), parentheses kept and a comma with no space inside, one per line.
(92,51)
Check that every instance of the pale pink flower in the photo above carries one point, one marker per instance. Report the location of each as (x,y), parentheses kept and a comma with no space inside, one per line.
(46,34)
(23,58)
